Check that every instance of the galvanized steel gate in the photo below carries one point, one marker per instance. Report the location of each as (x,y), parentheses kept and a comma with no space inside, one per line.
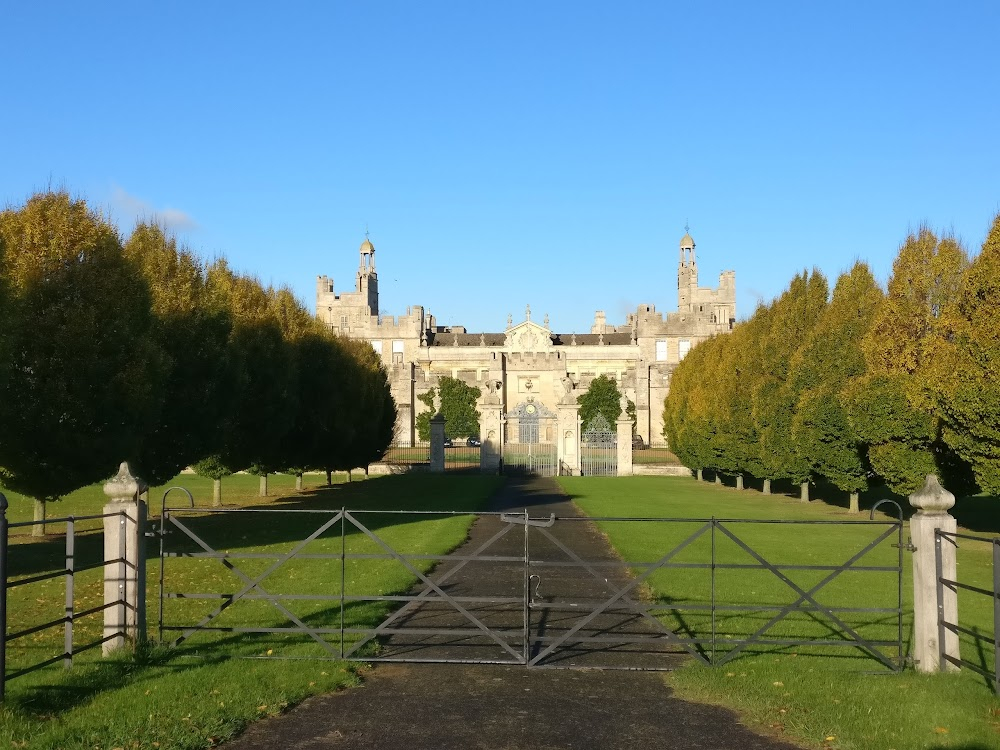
(520,592)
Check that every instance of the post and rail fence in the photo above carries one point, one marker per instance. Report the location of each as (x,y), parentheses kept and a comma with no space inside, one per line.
(943,542)
(73,615)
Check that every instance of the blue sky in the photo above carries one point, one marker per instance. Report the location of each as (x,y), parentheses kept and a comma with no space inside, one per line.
(510,153)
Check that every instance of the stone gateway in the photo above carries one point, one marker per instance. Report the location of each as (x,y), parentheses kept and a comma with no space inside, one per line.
(528,364)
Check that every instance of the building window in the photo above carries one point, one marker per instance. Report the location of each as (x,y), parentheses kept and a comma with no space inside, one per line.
(683,347)
(377,346)
(343,322)
(397,351)
(661,351)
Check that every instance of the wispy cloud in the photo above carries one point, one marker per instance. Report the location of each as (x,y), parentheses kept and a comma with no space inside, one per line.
(137,208)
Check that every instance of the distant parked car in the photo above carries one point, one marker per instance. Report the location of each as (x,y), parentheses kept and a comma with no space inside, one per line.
(448,443)
(473,442)
(638,444)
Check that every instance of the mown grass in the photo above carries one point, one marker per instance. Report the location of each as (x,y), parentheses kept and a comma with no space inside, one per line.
(820,697)
(238,489)
(199,694)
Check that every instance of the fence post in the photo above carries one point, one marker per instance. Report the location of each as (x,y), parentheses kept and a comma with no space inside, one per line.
(996,616)
(490,412)
(437,443)
(624,426)
(933,604)
(568,432)
(124,561)
(3,595)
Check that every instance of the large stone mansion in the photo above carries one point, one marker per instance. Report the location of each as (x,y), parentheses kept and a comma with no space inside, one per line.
(533,365)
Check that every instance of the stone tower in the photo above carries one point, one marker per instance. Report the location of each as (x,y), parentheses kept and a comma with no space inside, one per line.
(367,283)
(687,274)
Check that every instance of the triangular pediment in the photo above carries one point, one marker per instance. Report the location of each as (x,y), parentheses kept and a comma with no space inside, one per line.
(528,337)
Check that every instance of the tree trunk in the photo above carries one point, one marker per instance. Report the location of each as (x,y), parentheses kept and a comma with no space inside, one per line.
(329,477)
(767,486)
(699,475)
(263,485)
(855,505)
(804,492)
(349,477)
(739,481)
(298,481)
(216,493)
(718,479)
(39,528)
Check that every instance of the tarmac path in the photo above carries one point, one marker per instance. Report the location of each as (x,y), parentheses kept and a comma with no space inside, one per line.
(501,707)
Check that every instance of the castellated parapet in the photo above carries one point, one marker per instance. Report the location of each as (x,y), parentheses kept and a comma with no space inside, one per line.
(531,361)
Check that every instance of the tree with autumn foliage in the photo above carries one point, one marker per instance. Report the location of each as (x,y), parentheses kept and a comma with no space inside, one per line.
(830,357)
(263,401)
(193,334)
(969,392)
(793,316)
(686,424)
(894,407)
(84,374)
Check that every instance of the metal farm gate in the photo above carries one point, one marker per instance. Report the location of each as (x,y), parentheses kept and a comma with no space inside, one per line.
(528,591)
(531,434)
(599,448)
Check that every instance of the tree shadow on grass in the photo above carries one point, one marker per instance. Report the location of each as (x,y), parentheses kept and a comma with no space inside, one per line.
(86,681)
(255,527)
(976,513)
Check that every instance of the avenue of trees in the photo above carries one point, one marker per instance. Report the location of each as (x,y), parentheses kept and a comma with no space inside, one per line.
(137,350)
(858,386)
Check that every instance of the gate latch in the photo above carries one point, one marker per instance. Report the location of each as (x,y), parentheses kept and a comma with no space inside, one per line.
(526,521)
(909,546)
(538,582)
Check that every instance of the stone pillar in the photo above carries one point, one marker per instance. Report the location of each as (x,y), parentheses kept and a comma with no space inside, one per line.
(437,443)
(124,561)
(568,453)
(490,415)
(932,502)
(624,445)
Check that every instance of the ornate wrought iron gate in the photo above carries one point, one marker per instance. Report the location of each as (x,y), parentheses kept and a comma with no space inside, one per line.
(531,437)
(599,448)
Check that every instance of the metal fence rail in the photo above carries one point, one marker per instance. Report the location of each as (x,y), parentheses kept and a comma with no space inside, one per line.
(71,615)
(461,456)
(944,537)
(404,453)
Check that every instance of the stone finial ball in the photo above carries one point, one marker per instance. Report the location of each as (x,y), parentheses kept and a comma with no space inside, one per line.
(123,487)
(932,497)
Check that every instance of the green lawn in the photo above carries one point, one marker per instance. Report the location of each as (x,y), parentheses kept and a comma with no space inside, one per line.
(817,696)
(238,489)
(198,694)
